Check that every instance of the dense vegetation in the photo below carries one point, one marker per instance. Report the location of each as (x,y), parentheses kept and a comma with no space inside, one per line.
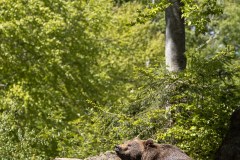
(77,77)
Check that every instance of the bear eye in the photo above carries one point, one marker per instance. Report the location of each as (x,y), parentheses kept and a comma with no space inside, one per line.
(129,145)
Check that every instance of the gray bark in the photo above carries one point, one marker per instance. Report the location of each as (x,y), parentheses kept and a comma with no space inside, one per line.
(175,37)
(230,148)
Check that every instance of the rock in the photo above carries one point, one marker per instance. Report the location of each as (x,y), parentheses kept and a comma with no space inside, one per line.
(109,155)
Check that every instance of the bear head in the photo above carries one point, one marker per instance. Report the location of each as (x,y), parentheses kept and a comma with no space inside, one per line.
(133,149)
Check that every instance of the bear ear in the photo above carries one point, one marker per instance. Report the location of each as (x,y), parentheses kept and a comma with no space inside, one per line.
(149,142)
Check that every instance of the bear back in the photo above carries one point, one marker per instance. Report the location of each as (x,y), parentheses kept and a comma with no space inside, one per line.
(137,149)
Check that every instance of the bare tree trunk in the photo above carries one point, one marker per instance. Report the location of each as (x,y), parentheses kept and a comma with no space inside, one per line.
(175,38)
(230,148)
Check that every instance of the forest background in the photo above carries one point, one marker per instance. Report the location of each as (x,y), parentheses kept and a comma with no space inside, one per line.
(78,77)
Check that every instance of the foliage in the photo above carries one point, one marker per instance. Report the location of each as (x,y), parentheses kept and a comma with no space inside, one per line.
(76,79)
(199,13)
(54,57)
(198,103)
(200,100)
(45,51)
(190,109)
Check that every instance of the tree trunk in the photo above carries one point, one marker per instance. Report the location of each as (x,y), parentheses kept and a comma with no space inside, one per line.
(230,148)
(175,38)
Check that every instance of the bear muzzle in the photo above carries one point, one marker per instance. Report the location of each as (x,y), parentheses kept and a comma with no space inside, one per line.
(117,149)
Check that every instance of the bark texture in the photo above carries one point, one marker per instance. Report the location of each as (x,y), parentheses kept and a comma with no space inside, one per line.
(230,148)
(175,37)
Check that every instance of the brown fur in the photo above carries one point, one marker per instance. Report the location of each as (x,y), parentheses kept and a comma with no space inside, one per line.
(137,149)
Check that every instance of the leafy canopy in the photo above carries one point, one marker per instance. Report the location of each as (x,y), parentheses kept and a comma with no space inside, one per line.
(76,78)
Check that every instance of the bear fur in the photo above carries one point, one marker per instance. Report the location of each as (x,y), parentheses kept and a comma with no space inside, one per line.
(230,148)
(137,149)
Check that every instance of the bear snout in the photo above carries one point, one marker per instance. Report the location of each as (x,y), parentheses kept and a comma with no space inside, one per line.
(117,148)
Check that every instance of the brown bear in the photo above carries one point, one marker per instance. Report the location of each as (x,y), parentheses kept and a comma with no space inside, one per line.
(137,149)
